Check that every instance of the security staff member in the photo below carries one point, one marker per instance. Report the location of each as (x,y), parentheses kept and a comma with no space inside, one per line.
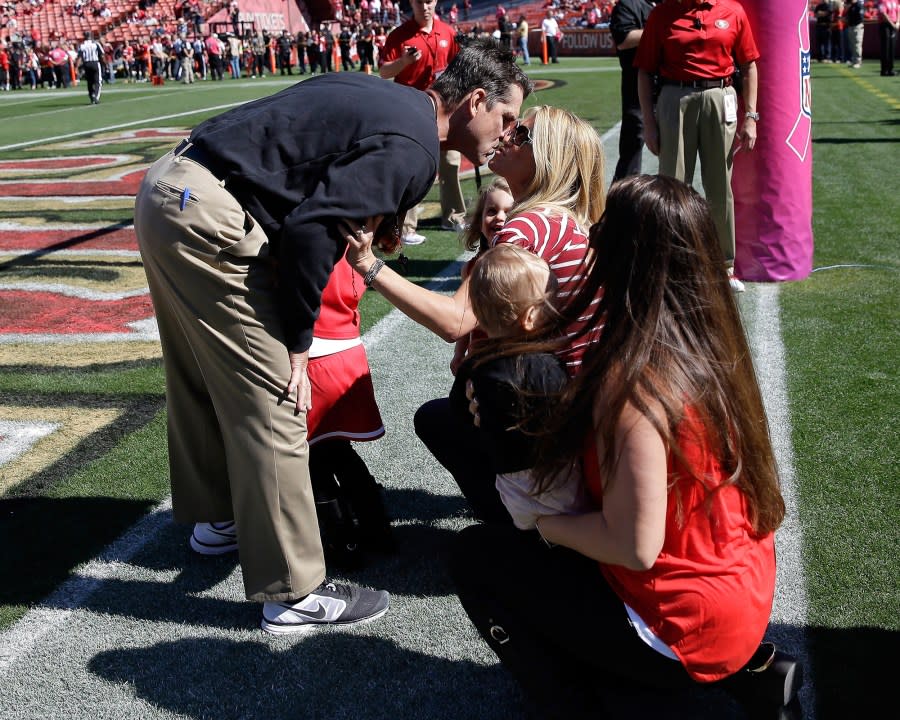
(239,228)
(89,54)
(690,45)
(627,26)
(415,53)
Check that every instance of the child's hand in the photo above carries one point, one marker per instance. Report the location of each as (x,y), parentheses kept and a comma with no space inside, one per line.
(459,353)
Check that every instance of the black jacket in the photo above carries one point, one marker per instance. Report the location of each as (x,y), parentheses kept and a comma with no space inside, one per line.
(626,16)
(332,147)
(515,396)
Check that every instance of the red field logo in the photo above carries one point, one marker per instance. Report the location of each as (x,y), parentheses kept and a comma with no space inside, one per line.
(61,280)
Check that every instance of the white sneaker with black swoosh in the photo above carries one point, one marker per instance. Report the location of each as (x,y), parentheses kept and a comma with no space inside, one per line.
(328,604)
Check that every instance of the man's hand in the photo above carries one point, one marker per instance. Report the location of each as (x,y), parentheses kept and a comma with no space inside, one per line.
(747,136)
(299,382)
(651,137)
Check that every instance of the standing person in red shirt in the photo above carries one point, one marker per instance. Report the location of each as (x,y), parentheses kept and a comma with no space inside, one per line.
(692,46)
(214,50)
(59,60)
(4,67)
(415,54)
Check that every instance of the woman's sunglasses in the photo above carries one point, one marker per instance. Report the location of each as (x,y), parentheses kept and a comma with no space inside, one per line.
(520,135)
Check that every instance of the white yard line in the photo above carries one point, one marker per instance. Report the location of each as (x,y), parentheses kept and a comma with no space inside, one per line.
(108,128)
(791,607)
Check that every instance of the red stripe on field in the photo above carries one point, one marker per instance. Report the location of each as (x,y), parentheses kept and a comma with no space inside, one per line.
(127,185)
(99,239)
(46,312)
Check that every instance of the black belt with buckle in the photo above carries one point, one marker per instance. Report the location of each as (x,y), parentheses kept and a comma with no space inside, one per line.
(187,149)
(700,84)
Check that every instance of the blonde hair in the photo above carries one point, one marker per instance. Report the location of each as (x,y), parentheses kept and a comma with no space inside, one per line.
(505,283)
(569,167)
(473,239)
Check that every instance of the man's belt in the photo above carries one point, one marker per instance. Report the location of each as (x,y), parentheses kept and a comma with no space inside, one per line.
(187,149)
(705,84)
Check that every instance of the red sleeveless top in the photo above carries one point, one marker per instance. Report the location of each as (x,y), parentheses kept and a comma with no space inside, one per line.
(709,594)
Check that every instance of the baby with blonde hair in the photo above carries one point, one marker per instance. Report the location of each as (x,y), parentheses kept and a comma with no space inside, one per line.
(514,378)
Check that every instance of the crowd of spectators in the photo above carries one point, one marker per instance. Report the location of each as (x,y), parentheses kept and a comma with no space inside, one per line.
(165,36)
(871,9)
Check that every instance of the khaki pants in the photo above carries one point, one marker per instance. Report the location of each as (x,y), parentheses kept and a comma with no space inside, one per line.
(453,206)
(691,123)
(236,450)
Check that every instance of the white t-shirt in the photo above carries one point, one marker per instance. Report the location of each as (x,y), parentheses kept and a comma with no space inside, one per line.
(550,27)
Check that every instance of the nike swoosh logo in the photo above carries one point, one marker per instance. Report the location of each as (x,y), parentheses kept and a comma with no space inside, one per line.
(317,614)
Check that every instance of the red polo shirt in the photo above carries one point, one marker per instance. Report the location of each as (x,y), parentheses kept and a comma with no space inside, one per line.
(695,40)
(438,48)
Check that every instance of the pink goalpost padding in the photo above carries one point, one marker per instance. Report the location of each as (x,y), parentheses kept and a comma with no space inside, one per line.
(773,184)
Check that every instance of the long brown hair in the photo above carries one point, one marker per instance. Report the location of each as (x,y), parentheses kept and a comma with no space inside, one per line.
(672,338)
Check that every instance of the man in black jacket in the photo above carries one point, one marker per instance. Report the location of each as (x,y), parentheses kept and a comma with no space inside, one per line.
(627,26)
(238,228)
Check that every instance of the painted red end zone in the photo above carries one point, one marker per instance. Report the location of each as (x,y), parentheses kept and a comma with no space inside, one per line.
(47,312)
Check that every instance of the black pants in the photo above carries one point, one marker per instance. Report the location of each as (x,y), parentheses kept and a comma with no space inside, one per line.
(551,49)
(888,37)
(346,62)
(92,77)
(631,134)
(823,43)
(61,75)
(558,627)
(215,67)
(456,446)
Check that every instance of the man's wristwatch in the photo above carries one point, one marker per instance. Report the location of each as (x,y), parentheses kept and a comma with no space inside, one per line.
(752,115)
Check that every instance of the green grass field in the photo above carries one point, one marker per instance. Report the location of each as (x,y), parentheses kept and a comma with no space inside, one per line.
(840,332)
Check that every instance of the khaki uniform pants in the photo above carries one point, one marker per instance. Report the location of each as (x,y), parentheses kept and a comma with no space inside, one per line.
(236,450)
(453,205)
(691,122)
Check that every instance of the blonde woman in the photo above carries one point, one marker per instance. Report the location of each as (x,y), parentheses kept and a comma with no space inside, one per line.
(553,163)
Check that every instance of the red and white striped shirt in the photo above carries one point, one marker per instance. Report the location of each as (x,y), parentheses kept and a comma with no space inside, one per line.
(558,240)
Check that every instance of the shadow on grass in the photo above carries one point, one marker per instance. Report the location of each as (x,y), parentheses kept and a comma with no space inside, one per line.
(137,414)
(853,141)
(422,271)
(30,257)
(332,673)
(120,366)
(43,539)
(327,674)
(855,671)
